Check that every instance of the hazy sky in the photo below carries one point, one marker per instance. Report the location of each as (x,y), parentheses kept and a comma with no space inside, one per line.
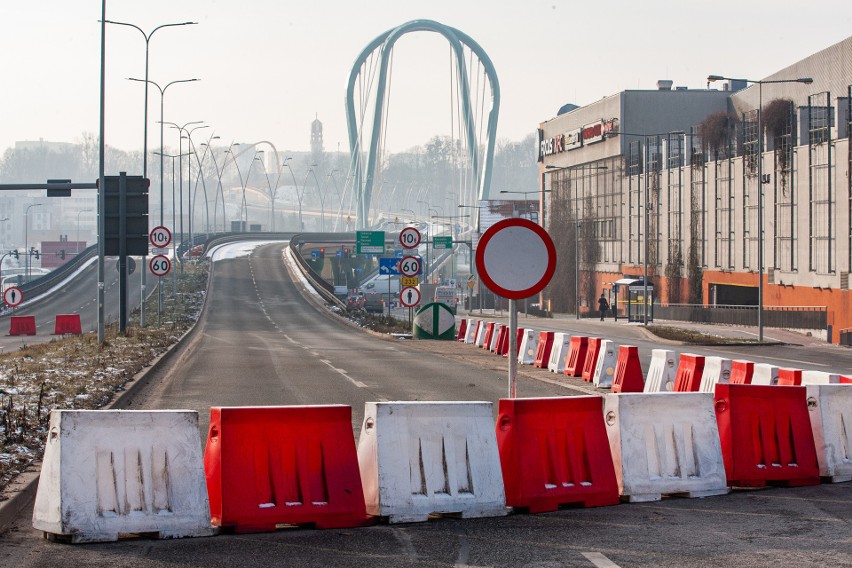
(267,67)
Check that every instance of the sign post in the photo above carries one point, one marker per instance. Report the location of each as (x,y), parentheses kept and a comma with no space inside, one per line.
(515,259)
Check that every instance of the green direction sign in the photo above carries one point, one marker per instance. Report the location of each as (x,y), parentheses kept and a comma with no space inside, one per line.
(370,242)
(442,242)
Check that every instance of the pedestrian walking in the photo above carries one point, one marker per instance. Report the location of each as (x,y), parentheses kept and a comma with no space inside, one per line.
(603,305)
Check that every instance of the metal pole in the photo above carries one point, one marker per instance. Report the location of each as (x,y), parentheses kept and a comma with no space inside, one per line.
(760,212)
(101,181)
(513,348)
(645,254)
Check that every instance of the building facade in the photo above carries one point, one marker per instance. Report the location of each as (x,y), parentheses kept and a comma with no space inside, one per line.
(666,183)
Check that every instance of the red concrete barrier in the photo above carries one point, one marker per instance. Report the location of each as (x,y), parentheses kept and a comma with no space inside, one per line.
(741,372)
(462,330)
(628,371)
(542,350)
(766,435)
(555,451)
(576,357)
(489,333)
(283,465)
(592,352)
(22,325)
(689,371)
(67,324)
(502,336)
(789,377)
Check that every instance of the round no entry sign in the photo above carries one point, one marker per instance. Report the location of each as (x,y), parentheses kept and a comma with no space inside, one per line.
(516,258)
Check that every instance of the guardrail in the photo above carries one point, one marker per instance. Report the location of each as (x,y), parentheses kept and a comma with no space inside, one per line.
(323,288)
(788,317)
(42,284)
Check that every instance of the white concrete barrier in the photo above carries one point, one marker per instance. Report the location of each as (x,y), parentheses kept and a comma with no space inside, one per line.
(661,372)
(665,444)
(605,367)
(561,343)
(480,334)
(422,458)
(819,378)
(470,332)
(492,346)
(717,370)
(764,374)
(528,346)
(830,407)
(112,472)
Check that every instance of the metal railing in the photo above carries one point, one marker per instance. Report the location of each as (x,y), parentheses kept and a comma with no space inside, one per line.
(788,317)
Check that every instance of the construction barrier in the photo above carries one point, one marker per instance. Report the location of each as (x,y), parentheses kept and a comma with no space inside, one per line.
(593,349)
(789,377)
(527,347)
(575,360)
(480,334)
(764,374)
(717,370)
(472,329)
(820,378)
(422,458)
(462,332)
(22,325)
(543,349)
(689,371)
(741,372)
(830,410)
(628,371)
(664,444)
(272,465)
(561,342)
(550,453)
(605,367)
(107,473)
(766,435)
(489,333)
(502,336)
(67,324)
(494,336)
(661,372)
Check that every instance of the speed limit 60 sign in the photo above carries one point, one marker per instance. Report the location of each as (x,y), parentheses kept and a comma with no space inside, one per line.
(160,237)
(409,266)
(160,265)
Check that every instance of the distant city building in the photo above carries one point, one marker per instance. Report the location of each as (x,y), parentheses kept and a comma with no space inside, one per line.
(687,161)
(316,140)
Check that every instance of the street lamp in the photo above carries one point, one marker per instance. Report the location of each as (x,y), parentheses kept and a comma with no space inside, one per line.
(202,177)
(806,81)
(162,99)
(26,236)
(77,243)
(181,130)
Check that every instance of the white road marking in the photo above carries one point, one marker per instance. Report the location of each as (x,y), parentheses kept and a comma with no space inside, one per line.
(343,374)
(806,363)
(599,560)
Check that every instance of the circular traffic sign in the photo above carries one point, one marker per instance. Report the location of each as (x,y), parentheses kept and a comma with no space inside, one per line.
(13,296)
(516,258)
(160,237)
(409,237)
(160,265)
(409,296)
(409,266)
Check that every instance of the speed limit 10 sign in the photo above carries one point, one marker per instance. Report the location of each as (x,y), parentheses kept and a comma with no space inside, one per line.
(409,237)
(160,237)
(160,265)
(409,266)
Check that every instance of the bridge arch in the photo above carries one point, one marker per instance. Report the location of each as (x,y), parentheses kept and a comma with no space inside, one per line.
(364,166)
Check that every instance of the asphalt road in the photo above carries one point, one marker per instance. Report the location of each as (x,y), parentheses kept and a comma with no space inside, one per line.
(260,342)
(77,295)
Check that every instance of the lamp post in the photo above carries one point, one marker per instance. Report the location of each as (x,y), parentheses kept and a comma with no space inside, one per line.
(26,235)
(174,244)
(77,243)
(181,130)
(202,177)
(162,99)
(806,81)
(189,203)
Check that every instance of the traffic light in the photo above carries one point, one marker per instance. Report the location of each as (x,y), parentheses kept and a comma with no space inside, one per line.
(15,254)
(34,252)
(62,254)
(322,253)
(345,251)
